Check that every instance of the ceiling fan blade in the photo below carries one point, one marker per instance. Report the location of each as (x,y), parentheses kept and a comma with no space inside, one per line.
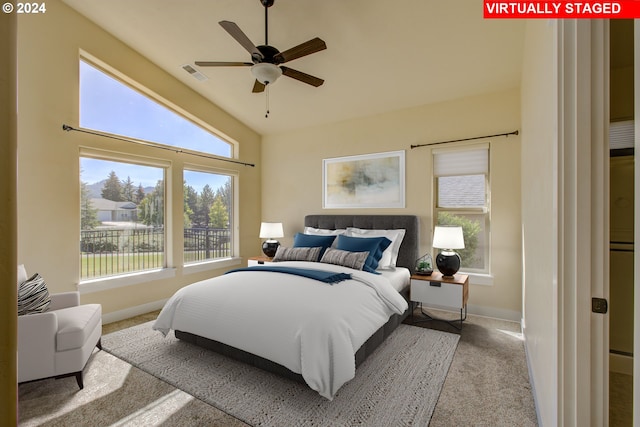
(222,64)
(258,87)
(241,38)
(304,49)
(303,77)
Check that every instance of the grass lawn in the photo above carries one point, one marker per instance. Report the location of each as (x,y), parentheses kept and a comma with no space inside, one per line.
(110,264)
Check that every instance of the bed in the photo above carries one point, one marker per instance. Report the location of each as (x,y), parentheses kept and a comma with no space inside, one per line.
(296,327)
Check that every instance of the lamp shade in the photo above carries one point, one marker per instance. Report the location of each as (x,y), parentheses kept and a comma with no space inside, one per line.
(448,237)
(266,73)
(271,230)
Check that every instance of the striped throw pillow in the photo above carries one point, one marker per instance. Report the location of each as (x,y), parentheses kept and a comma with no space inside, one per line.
(353,260)
(33,296)
(297,254)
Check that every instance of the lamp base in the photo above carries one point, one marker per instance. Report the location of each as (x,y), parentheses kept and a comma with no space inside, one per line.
(448,263)
(270,247)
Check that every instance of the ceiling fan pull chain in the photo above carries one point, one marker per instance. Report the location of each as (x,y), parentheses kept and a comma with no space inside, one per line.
(266,116)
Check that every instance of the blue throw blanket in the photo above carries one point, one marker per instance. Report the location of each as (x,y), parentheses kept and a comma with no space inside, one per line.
(321,275)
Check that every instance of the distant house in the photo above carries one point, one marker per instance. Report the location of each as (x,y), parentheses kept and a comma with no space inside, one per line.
(108,210)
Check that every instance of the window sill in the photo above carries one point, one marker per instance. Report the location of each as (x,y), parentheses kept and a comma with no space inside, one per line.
(198,267)
(479,278)
(113,282)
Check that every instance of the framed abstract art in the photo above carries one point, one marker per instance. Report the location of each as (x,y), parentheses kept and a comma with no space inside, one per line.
(364,181)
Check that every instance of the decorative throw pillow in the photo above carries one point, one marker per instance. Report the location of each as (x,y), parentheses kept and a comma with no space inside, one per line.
(33,296)
(390,255)
(353,260)
(301,240)
(297,254)
(374,245)
(22,274)
(325,232)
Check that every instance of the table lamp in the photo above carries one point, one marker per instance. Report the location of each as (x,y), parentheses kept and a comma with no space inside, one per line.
(270,231)
(447,238)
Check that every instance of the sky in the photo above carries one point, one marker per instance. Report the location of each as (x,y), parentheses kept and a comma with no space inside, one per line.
(94,170)
(110,106)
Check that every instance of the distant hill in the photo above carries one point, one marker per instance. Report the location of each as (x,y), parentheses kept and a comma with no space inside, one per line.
(95,189)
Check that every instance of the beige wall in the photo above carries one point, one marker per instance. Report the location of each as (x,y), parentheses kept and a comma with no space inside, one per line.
(292,177)
(48,166)
(539,214)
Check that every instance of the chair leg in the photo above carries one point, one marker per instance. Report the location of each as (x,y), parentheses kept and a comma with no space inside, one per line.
(78,375)
(79,379)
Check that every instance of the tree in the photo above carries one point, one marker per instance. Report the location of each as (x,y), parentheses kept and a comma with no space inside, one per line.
(226,195)
(112,190)
(128,190)
(190,204)
(218,214)
(205,200)
(139,194)
(152,206)
(470,230)
(88,214)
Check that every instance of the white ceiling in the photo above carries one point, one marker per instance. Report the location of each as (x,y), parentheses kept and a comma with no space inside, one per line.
(381,55)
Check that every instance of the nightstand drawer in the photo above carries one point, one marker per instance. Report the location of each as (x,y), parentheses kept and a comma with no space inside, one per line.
(446,294)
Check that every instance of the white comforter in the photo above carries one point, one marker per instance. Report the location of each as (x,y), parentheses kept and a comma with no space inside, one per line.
(310,327)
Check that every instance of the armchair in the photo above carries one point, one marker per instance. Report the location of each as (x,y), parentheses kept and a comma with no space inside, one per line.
(58,342)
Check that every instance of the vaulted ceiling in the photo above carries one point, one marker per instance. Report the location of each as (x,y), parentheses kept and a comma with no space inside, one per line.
(381,55)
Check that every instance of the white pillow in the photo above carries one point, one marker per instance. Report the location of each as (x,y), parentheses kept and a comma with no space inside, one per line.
(22,274)
(390,255)
(325,232)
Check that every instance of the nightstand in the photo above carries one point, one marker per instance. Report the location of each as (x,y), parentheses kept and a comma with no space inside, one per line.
(258,260)
(441,291)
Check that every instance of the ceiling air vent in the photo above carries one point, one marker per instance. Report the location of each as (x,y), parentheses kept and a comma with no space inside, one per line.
(195,73)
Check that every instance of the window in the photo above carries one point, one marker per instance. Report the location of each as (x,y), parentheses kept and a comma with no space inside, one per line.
(108,105)
(122,218)
(123,203)
(461,179)
(208,199)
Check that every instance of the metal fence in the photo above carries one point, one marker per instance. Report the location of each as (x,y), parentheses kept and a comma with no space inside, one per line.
(110,252)
(201,244)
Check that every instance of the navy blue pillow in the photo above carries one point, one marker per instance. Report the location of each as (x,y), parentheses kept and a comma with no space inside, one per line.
(313,241)
(374,245)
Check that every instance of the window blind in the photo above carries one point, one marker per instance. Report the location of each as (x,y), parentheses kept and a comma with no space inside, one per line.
(473,161)
(621,135)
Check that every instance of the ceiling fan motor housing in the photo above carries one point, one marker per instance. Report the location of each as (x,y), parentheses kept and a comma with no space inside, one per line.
(268,55)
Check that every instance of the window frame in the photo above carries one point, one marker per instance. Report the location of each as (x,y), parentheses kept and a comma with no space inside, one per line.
(155,97)
(174,245)
(485,211)
(133,159)
(234,217)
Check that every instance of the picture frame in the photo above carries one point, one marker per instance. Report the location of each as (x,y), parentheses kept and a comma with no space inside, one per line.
(364,181)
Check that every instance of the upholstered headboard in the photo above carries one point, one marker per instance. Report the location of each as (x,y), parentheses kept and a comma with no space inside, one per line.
(409,250)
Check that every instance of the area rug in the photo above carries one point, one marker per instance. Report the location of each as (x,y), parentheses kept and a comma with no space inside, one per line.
(398,385)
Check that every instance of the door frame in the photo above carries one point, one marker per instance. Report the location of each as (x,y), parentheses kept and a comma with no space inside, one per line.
(583,221)
(636,253)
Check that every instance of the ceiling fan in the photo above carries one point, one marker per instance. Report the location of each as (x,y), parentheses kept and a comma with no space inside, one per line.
(266,60)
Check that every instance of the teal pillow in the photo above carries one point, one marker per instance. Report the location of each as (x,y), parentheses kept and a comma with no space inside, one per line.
(374,245)
(301,240)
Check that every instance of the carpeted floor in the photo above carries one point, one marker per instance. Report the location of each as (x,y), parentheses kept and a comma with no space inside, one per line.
(398,385)
(487,384)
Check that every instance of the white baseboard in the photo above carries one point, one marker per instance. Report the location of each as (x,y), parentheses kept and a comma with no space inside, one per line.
(130,312)
(531,377)
(621,364)
(478,310)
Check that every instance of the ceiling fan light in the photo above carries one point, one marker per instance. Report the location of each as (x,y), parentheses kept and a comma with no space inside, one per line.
(266,73)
